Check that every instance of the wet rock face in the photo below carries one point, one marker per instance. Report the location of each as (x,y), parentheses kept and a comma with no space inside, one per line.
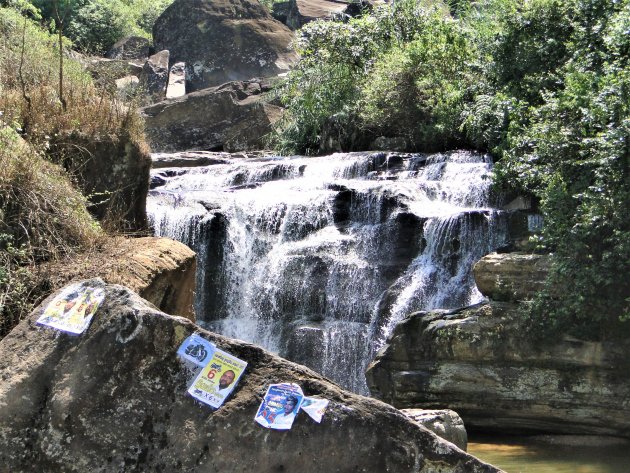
(114,399)
(223,40)
(477,362)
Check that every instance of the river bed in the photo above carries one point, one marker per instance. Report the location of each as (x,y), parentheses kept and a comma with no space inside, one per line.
(533,455)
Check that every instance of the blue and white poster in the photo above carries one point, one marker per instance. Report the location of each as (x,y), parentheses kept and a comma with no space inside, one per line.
(197,350)
(281,404)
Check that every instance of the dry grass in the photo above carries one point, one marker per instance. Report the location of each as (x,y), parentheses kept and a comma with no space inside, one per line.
(43,217)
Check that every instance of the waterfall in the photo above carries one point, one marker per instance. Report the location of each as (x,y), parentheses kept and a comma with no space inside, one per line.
(318,258)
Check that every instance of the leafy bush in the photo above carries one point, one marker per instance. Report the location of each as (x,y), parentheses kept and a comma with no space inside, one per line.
(572,151)
(419,88)
(95,25)
(344,66)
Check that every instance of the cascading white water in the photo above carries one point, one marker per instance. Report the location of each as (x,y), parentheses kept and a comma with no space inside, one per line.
(318,258)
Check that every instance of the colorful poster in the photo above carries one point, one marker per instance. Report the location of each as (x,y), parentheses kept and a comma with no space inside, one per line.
(197,350)
(217,379)
(72,310)
(280,406)
(315,408)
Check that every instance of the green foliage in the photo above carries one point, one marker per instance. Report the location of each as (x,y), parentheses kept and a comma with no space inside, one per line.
(95,25)
(572,151)
(333,81)
(42,216)
(16,281)
(423,82)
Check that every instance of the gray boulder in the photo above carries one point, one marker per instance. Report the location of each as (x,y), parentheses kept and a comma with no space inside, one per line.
(300,12)
(477,362)
(114,399)
(113,172)
(155,75)
(131,47)
(223,40)
(443,422)
(231,117)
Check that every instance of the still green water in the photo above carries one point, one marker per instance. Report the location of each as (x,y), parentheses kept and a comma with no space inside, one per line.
(525,455)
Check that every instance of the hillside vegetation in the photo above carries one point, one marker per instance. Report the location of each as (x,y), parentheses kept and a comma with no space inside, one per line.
(544,85)
(43,102)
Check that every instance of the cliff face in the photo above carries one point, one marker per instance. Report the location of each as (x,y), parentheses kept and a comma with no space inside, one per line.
(114,399)
(477,362)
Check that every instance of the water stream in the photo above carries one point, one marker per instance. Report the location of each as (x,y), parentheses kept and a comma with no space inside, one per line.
(318,258)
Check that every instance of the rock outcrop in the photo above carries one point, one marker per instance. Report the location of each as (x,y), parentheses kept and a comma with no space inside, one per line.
(114,399)
(155,76)
(477,362)
(444,423)
(297,13)
(113,173)
(176,81)
(511,276)
(161,270)
(223,40)
(231,117)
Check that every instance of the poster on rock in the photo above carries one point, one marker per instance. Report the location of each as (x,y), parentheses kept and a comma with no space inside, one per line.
(315,408)
(196,350)
(217,379)
(280,405)
(72,309)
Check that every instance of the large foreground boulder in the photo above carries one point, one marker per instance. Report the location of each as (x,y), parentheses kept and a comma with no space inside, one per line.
(478,362)
(223,40)
(114,399)
(231,117)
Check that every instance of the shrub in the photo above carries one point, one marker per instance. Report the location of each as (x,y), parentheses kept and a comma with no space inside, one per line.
(42,216)
(418,90)
(95,25)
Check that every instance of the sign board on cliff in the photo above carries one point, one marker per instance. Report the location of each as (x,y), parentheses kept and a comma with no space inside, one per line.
(72,309)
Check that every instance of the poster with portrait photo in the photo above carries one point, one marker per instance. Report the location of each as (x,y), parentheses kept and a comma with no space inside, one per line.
(280,405)
(217,379)
(72,309)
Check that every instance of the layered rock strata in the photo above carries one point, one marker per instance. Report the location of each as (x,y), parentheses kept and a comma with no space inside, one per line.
(511,276)
(477,362)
